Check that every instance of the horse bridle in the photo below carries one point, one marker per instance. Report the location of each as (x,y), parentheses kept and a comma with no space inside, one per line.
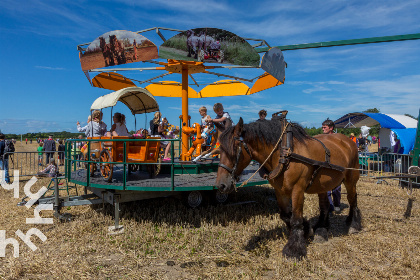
(232,171)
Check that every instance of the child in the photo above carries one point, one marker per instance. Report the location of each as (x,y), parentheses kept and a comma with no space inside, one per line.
(61,149)
(204,118)
(163,131)
(206,128)
(51,169)
(154,125)
(118,128)
(141,133)
(222,117)
(96,127)
(83,129)
(40,155)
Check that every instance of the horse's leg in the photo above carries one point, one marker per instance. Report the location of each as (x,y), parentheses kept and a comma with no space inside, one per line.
(296,246)
(354,219)
(283,201)
(323,224)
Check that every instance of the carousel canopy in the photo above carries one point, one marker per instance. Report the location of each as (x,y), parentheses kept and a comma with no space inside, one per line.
(390,121)
(138,100)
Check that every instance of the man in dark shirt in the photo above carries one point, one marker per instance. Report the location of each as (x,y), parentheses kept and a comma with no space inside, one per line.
(4,161)
(49,147)
(328,127)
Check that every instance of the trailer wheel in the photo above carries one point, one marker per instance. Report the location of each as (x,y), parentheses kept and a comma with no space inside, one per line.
(106,168)
(154,169)
(219,197)
(158,166)
(92,169)
(193,199)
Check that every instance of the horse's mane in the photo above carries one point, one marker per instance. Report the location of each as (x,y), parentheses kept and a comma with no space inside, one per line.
(265,131)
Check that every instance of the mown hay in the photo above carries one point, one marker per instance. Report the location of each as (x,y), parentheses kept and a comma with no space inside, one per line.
(165,240)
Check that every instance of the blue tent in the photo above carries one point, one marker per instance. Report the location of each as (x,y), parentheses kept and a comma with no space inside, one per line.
(403,126)
(407,138)
(370,119)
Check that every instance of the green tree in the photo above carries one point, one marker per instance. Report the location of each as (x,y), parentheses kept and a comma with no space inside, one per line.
(411,116)
(374,110)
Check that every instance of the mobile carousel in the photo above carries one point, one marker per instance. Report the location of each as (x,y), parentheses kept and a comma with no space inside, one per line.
(126,168)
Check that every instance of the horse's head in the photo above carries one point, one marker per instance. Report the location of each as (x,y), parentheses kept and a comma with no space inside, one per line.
(234,157)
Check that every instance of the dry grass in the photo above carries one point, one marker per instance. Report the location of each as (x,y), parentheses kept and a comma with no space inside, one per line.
(242,241)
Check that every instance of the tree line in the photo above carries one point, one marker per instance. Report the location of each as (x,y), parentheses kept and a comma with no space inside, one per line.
(44,135)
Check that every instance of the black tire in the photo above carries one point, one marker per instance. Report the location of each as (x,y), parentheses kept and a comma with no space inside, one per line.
(154,169)
(193,199)
(218,198)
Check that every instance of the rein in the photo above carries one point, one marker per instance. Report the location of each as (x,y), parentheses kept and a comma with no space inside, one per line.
(233,170)
(285,155)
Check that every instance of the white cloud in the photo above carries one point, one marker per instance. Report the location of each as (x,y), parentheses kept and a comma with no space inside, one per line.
(49,68)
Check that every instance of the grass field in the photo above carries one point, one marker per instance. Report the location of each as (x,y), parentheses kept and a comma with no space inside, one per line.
(165,240)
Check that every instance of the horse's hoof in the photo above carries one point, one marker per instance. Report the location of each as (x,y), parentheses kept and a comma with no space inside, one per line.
(294,254)
(296,246)
(353,230)
(321,235)
(311,232)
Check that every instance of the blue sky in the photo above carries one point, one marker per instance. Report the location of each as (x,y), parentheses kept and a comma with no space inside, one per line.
(44,89)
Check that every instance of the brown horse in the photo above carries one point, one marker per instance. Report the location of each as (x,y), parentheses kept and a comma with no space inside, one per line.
(299,164)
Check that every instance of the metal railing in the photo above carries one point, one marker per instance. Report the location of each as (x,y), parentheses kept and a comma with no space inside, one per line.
(386,165)
(174,175)
(29,163)
(74,163)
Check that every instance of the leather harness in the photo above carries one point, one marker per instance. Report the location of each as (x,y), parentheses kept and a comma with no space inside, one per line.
(286,153)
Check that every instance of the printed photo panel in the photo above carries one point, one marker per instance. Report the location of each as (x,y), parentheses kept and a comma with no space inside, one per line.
(210,45)
(117,47)
(273,63)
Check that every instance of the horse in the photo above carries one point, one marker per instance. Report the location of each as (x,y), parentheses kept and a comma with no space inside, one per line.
(193,42)
(301,164)
(106,52)
(117,49)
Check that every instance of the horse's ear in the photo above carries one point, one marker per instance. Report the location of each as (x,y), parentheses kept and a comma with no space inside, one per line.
(239,127)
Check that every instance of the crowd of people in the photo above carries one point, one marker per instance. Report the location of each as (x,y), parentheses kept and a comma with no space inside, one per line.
(158,127)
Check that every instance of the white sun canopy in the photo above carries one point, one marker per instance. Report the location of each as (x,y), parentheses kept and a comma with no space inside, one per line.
(138,100)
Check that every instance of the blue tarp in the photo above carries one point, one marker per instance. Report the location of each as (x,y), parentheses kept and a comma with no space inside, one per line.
(371,119)
(407,138)
(385,121)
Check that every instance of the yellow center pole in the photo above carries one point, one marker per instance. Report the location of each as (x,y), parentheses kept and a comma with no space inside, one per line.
(185,138)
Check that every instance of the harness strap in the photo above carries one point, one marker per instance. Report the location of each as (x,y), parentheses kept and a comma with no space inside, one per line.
(327,152)
(317,163)
(283,162)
